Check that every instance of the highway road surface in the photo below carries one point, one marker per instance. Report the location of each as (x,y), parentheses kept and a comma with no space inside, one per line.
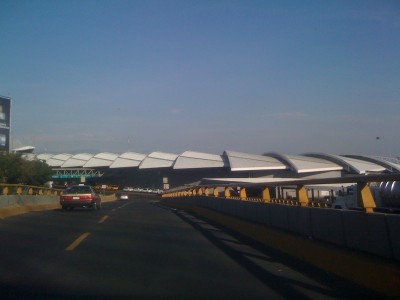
(137,249)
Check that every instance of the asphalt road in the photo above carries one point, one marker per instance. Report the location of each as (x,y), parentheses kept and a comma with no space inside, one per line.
(136,249)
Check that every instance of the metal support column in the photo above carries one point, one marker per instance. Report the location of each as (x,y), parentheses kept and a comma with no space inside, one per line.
(302,195)
(365,198)
(266,196)
(243,194)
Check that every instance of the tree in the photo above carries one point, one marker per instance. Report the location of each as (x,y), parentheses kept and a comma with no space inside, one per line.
(14,169)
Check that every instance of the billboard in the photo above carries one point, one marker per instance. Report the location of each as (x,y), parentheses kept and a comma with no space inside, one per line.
(5,123)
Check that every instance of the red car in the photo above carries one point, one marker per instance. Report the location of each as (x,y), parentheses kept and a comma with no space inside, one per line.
(80,196)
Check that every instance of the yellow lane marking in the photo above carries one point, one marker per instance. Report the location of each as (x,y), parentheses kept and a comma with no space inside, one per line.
(114,209)
(103,219)
(77,241)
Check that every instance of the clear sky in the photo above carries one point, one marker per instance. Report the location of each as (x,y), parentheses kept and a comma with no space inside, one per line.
(208,76)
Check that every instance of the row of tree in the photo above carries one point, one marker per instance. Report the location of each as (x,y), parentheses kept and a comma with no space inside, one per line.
(14,169)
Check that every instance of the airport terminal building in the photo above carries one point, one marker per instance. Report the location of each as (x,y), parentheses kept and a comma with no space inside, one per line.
(161,170)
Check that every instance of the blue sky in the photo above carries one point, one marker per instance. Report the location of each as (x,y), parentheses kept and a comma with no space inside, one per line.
(208,76)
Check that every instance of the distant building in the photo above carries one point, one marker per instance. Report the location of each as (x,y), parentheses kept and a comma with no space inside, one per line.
(5,124)
(24,150)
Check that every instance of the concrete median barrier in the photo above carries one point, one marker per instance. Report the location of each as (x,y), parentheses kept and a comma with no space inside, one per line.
(367,232)
(393,223)
(327,225)
(12,205)
(18,204)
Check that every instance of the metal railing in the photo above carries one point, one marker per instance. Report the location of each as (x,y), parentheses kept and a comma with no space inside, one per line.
(365,199)
(19,189)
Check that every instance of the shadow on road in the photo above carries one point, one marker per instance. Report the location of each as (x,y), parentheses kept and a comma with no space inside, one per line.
(289,277)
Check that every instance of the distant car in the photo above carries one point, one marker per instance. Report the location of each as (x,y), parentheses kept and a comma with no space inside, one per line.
(80,196)
(127,189)
(123,197)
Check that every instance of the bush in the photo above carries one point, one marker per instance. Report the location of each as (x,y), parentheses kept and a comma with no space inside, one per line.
(16,170)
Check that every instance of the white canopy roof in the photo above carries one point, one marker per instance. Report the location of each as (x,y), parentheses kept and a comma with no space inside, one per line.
(305,164)
(351,164)
(249,162)
(158,160)
(77,161)
(197,160)
(128,160)
(236,161)
(58,160)
(101,160)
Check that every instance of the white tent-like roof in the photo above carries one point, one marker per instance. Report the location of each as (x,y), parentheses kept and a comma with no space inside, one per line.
(317,164)
(128,160)
(197,160)
(44,156)
(58,160)
(77,161)
(390,165)
(104,159)
(249,162)
(306,164)
(351,164)
(158,160)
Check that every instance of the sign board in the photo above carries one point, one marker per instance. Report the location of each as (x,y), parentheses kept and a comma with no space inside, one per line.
(5,123)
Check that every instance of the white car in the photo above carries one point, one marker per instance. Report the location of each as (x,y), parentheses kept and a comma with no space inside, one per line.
(123,197)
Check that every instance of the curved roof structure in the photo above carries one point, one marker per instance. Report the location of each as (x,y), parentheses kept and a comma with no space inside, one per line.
(250,162)
(229,160)
(196,160)
(390,165)
(158,160)
(58,160)
(25,149)
(128,160)
(77,161)
(351,165)
(305,164)
(104,159)
(44,157)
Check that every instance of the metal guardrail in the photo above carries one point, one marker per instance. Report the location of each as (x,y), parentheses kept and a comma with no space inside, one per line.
(365,198)
(19,189)
(292,202)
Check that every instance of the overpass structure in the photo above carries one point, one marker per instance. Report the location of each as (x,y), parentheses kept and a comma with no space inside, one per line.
(77,173)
